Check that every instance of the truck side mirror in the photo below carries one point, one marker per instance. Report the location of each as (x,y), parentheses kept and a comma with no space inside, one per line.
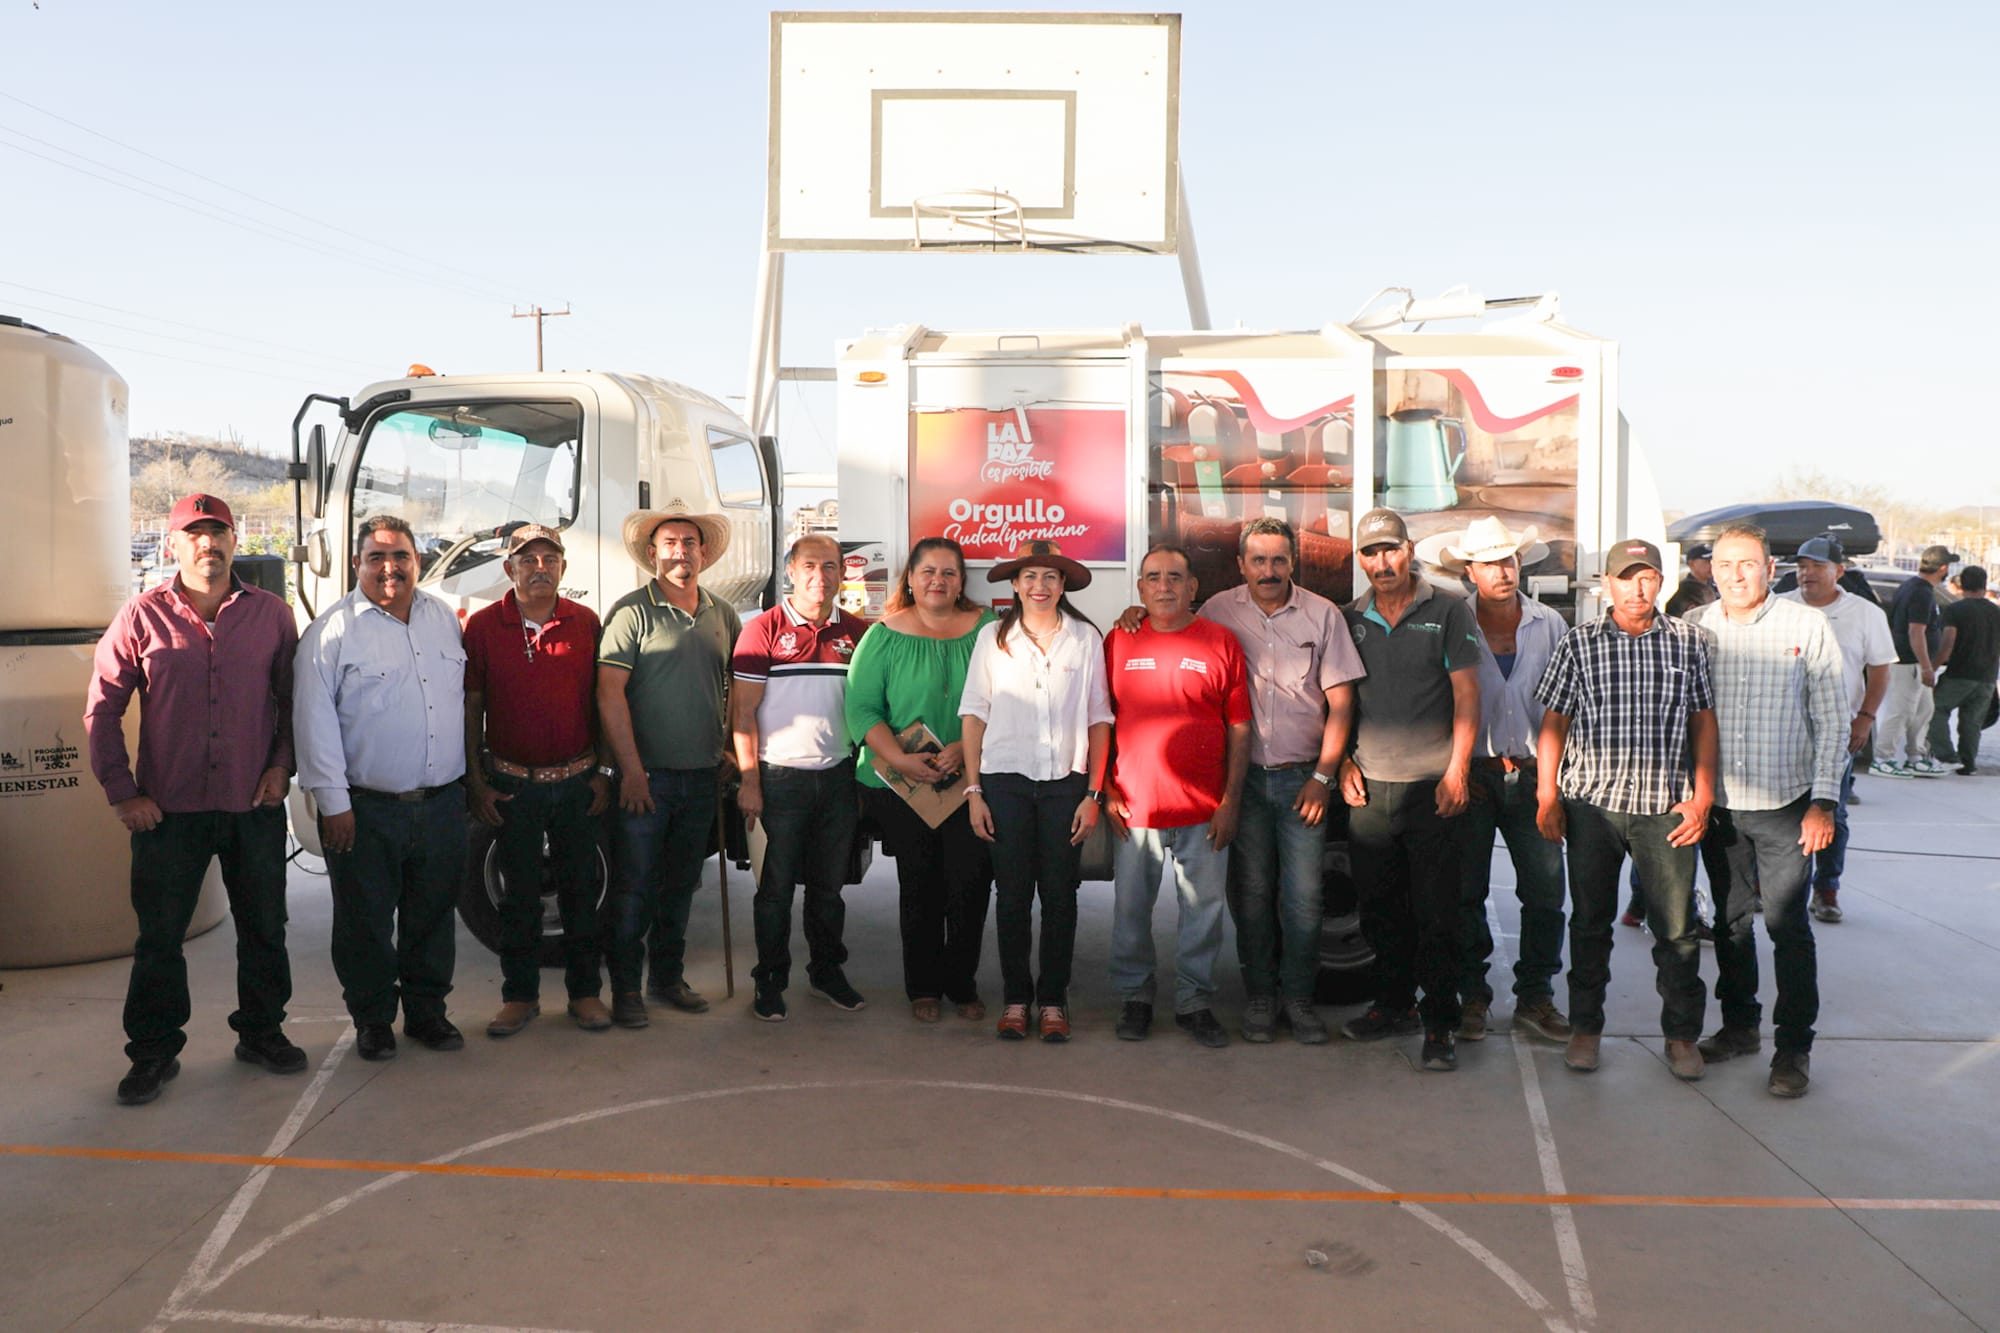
(316,469)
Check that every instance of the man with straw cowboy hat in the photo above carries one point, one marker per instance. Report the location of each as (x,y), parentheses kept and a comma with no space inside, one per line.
(1517,637)
(662,674)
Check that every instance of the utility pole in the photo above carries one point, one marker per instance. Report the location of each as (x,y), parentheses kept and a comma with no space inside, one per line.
(538,314)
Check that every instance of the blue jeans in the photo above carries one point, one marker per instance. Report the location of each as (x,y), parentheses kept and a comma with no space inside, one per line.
(1599,842)
(1275,868)
(393,897)
(809,820)
(1762,847)
(559,812)
(1831,861)
(1201,874)
(658,859)
(169,862)
(1505,802)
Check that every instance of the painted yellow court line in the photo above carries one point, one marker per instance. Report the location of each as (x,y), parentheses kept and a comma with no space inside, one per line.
(973,1187)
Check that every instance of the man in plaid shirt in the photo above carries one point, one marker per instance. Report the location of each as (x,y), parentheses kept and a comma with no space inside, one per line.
(1783,716)
(1628,701)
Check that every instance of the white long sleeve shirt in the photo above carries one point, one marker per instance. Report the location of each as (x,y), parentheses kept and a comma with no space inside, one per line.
(1038,707)
(376,703)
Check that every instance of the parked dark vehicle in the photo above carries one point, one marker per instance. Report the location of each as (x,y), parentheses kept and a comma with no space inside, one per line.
(1787,524)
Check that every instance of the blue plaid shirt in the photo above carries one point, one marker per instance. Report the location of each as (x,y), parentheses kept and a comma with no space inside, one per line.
(1628,698)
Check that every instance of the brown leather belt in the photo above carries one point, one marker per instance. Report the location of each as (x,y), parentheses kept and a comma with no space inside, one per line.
(583,763)
(1505,763)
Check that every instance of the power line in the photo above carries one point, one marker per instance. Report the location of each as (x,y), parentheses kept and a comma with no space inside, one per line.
(213,365)
(177,323)
(199,208)
(191,342)
(224,185)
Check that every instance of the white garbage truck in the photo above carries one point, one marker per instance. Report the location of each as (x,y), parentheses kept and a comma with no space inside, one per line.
(1106,441)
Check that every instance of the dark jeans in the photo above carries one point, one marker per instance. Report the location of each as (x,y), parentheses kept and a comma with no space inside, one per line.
(809,821)
(657,860)
(393,896)
(169,863)
(1276,865)
(1032,854)
(1970,699)
(1505,802)
(1406,872)
(560,813)
(1599,842)
(1762,847)
(1830,862)
(944,877)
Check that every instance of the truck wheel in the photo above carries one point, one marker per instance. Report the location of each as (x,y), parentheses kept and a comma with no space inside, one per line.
(1346,962)
(480,892)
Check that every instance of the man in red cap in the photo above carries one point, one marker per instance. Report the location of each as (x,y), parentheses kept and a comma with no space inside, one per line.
(211,660)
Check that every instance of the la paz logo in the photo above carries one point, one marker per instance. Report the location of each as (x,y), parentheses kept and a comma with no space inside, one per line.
(1010,453)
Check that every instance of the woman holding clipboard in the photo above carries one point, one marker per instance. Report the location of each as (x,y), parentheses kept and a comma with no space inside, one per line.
(909,669)
(1037,718)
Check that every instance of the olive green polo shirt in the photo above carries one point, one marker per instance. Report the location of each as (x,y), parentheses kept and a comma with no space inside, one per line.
(680,672)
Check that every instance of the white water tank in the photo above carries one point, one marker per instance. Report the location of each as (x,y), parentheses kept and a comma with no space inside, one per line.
(66,506)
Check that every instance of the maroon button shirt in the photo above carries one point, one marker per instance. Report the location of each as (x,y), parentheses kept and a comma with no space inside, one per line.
(540,688)
(215,702)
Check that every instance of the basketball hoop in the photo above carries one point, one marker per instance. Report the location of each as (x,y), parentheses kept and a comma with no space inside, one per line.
(987,211)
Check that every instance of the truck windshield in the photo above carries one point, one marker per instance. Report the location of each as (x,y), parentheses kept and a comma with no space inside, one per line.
(464,474)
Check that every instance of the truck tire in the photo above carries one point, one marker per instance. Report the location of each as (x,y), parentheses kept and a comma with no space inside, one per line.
(479,893)
(1346,962)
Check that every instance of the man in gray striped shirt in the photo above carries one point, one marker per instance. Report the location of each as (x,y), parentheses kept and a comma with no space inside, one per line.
(1630,715)
(1783,717)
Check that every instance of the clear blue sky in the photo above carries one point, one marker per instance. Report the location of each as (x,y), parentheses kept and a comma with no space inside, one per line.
(1784,213)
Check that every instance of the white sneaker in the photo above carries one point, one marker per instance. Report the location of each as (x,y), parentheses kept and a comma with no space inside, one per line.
(1887,768)
(1926,767)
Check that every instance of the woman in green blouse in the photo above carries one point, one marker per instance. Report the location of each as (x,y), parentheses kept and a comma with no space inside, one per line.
(911,668)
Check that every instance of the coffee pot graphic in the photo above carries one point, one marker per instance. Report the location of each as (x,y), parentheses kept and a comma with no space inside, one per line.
(1421,468)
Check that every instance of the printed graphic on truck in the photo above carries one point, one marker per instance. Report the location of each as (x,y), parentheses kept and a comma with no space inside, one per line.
(992,480)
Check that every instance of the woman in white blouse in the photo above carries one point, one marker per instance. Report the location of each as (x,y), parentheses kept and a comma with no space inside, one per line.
(1037,718)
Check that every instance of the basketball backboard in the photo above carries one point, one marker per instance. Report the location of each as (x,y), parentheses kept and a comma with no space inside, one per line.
(920,131)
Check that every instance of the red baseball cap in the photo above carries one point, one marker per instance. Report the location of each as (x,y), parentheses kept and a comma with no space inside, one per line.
(198,508)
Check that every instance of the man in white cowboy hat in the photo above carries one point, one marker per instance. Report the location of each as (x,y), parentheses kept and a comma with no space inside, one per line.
(662,676)
(1517,637)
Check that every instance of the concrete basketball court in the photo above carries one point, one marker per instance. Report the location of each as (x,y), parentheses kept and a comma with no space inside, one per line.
(860,1171)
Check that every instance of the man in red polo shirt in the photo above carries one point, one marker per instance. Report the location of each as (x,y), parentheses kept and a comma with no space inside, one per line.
(532,770)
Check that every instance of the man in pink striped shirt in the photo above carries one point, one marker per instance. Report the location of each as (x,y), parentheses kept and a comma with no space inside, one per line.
(211,660)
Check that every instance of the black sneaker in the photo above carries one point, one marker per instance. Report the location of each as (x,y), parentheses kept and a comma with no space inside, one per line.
(1440,1053)
(628,1009)
(1135,1020)
(375,1041)
(273,1050)
(836,992)
(144,1082)
(1378,1023)
(438,1034)
(770,1004)
(1201,1025)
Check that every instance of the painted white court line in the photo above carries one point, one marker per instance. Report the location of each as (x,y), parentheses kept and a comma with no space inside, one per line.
(259,1319)
(194,1280)
(1569,1245)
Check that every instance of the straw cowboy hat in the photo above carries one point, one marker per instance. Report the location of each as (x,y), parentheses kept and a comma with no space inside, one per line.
(1041,555)
(642,524)
(1486,540)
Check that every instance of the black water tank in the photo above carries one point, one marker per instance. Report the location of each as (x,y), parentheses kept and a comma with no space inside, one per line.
(262,571)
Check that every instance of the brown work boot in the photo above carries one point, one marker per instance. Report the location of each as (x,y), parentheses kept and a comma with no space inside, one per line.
(1543,1019)
(513,1016)
(1581,1053)
(1685,1060)
(589,1014)
(1472,1020)
(1729,1042)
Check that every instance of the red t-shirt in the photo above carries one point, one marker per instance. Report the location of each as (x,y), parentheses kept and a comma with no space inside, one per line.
(1176,696)
(540,703)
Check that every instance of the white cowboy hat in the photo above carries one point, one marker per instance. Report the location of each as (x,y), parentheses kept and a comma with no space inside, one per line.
(1485,540)
(642,524)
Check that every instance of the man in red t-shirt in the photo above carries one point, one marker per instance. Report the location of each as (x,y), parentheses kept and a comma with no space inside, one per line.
(533,770)
(1182,747)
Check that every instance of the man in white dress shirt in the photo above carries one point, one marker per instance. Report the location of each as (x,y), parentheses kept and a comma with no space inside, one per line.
(378,721)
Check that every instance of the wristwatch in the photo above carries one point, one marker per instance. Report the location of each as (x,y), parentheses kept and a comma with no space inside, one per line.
(1095,795)
(607,771)
(1322,779)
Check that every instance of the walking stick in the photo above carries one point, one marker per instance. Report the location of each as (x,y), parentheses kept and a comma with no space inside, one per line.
(722,855)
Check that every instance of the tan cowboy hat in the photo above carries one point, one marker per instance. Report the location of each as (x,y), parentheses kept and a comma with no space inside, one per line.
(1044,555)
(642,524)
(1485,540)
